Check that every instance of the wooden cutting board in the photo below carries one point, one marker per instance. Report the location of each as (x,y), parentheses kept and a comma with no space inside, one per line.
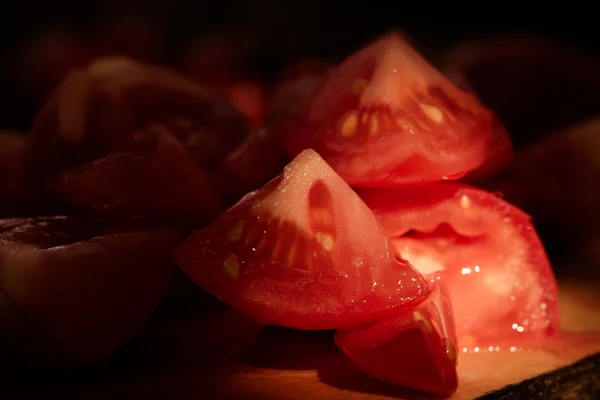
(292,365)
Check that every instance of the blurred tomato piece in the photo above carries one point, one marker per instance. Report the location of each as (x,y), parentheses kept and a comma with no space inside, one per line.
(111,106)
(414,349)
(74,291)
(161,183)
(100,109)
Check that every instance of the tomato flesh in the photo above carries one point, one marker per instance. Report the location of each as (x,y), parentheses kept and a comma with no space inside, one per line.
(415,349)
(386,117)
(488,254)
(290,254)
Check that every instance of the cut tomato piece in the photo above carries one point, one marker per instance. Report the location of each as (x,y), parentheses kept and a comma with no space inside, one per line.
(386,117)
(290,254)
(73,291)
(103,108)
(501,284)
(159,183)
(416,349)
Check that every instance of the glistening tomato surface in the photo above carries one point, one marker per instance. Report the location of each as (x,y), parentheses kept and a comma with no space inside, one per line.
(415,349)
(502,288)
(385,117)
(303,252)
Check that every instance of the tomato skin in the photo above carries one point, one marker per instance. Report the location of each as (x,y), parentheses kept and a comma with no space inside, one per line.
(385,117)
(287,254)
(492,253)
(414,349)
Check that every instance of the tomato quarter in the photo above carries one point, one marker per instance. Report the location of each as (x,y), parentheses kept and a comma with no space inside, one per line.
(415,348)
(303,252)
(386,117)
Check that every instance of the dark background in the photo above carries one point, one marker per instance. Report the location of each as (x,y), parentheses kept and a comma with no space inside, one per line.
(282,30)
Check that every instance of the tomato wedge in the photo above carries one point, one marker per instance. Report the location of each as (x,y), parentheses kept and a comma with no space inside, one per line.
(415,349)
(386,117)
(290,254)
(501,284)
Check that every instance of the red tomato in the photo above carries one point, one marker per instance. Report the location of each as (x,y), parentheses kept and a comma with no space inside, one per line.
(290,254)
(414,349)
(386,117)
(502,287)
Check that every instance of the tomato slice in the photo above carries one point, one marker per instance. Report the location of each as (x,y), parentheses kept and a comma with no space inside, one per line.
(290,254)
(501,284)
(386,117)
(415,349)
